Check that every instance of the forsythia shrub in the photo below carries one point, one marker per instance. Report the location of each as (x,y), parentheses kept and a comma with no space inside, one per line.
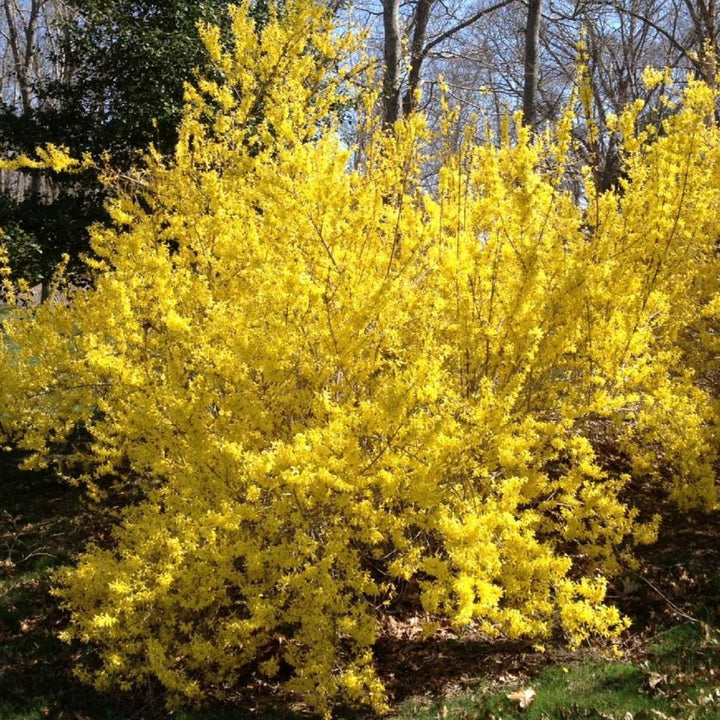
(324,381)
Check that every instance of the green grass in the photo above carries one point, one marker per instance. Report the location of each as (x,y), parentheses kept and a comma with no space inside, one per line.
(593,689)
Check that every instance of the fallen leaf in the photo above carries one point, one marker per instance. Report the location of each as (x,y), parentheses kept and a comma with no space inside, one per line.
(654,679)
(522,697)
(661,715)
(704,700)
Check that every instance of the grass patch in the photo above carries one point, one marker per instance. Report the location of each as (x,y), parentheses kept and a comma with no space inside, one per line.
(592,689)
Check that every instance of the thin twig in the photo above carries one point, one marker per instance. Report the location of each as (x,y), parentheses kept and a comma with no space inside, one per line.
(36,553)
(672,605)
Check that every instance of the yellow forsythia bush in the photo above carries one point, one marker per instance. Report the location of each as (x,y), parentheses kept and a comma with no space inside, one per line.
(324,378)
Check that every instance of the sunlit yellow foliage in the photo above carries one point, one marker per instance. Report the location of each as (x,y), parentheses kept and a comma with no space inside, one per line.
(325,378)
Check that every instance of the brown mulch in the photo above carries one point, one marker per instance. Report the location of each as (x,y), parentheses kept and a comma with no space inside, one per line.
(678,578)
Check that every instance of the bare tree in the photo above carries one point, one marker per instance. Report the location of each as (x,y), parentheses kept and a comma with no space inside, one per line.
(32,41)
(532,43)
(31,44)
(412,34)
(393,61)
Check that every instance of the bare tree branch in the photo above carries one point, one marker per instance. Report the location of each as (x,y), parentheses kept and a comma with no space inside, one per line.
(465,23)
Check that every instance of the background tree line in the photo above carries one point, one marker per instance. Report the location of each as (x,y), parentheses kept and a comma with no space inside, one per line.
(107,76)
(97,76)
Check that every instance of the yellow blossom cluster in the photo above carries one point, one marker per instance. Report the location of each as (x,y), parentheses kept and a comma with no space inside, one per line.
(326,379)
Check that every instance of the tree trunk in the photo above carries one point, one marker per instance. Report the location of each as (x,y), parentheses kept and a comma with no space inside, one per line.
(392,79)
(532,42)
(417,53)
